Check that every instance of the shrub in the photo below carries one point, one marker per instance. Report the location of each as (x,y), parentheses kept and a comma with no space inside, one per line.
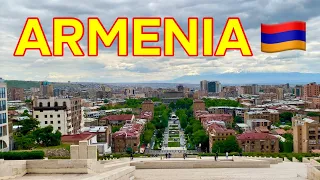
(21,155)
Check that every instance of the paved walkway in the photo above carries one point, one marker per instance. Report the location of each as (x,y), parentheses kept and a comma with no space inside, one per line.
(281,171)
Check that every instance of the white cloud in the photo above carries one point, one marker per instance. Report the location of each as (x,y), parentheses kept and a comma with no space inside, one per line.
(108,67)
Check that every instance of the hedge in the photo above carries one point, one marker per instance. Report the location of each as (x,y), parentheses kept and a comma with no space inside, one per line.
(21,155)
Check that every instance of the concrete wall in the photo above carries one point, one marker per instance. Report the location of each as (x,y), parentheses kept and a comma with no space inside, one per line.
(12,169)
(58,166)
(313,170)
(189,164)
(83,151)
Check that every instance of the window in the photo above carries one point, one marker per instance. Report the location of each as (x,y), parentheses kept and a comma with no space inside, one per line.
(37,116)
(51,122)
(58,122)
(51,116)
(55,104)
(40,104)
(58,115)
(59,128)
(64,104)
(46,122)
(2,92)
(41,110)
(3,118)
(48,104)
(45,116)
(3,105)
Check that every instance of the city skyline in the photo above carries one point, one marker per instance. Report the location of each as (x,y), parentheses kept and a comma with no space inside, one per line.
(108,67)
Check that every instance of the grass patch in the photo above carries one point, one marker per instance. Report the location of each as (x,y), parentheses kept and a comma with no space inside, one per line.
(173,144)
(174,135)
(61,146)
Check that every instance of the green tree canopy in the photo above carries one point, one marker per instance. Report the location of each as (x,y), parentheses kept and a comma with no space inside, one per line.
(221,102)
(286,117)
(228,145)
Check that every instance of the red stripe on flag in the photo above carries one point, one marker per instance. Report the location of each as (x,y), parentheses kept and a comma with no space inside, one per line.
(283,27)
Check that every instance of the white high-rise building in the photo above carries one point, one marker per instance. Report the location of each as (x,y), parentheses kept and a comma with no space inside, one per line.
(4,129)
(204,85)
(64,114)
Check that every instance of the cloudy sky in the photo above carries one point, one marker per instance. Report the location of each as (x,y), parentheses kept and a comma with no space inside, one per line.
(108,67)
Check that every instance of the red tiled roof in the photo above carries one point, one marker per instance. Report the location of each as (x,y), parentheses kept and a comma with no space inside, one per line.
(121,117)
(280,131)
(262,129)
(219,128)
(255,136)
(77,137)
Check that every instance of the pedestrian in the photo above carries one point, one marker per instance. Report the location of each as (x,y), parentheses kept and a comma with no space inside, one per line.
(227,155)
(169,155)
(240,154)
(131,156)
(166,155)
(184,155)
(216,156)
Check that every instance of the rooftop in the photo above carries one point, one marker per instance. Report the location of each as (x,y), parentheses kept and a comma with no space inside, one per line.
(255,136)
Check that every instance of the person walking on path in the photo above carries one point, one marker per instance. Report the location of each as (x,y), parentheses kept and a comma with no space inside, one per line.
(216,156)
(131,155)
(166,155)
(226,155)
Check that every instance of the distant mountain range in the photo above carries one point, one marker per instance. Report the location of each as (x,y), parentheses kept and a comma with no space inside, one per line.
(252,78)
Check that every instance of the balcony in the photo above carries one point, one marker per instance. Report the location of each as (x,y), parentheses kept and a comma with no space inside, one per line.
(312,141)
(69,123)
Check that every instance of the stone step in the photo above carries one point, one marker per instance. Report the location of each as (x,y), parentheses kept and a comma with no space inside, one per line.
(110,167)
(115,174)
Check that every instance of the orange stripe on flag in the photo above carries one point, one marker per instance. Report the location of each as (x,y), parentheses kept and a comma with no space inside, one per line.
(284,46)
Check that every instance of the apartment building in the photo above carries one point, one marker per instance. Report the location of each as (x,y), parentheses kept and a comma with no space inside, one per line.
(306,134)
(64,114)
(4,128)
(16,94)
(117,119)
(198,105)
(218,132)
(46,89)
(271,115)
(311,90)
(258,142)
(128,136)
(259,125)
(148,106)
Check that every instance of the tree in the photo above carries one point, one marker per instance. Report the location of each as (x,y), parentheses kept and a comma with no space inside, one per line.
(24,142)
(228,145)
(231,144)
(201,137)
(313,114)
(25,113)
(172,105)
(221,102)
(105,101)
(103,108)
(147,135)
(286,117)
(46,137)
(28,125)
(238,119)
(115,128)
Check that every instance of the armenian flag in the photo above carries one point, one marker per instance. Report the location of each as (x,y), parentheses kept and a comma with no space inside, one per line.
(283,37)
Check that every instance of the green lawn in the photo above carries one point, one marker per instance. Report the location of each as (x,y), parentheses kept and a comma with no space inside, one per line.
(174,135)
(173,144)
(172,139)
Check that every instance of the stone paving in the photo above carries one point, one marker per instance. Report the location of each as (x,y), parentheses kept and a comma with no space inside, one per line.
(281,171)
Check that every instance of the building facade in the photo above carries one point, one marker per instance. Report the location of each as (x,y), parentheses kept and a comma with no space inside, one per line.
(214,87)
(46,89)
(4,128)
(204,85)
(311,90)
(306,134)
(64,114)
(16,94)
(258,142)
